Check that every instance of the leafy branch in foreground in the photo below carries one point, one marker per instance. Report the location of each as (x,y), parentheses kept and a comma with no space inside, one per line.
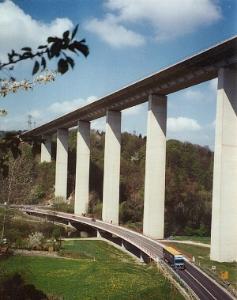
(55,48)
(12,86)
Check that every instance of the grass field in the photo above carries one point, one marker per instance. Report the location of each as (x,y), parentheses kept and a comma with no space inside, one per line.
(202,256)
(100,272)
(200,239)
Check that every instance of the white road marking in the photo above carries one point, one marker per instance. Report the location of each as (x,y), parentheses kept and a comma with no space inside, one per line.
(201,285)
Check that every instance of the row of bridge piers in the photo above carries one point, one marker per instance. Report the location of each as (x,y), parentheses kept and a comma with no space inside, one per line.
(224,203)
(154,172)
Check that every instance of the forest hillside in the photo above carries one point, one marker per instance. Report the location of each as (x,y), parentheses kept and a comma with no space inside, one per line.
(188,181)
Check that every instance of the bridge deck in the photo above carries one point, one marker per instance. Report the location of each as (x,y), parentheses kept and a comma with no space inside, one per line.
(193,70)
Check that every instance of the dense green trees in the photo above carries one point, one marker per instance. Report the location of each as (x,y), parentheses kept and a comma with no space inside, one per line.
(188,188)
(188,182)
(16,186)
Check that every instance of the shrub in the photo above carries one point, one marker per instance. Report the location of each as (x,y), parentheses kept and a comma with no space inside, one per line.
(56,234)
(59,200)
(62,206)
(37,194)
(35,241)
(21,243)
(201,231)
(97,210)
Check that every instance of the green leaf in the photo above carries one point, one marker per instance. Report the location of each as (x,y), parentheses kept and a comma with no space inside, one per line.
(42,46)
(70,61)
(81,47)
(48,54)
(26,49)
(43,63)
(10,57)
(65,43)
(27,54)
(52,39)
(56,48)
(66,34)
(62,66)
(36,68)
(71,48)
(74,31)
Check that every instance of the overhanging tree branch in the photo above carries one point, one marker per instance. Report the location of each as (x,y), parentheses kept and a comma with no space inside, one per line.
(56,47)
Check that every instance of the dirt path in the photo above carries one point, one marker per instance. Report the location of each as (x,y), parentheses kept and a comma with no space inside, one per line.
(186,242)
(40,253)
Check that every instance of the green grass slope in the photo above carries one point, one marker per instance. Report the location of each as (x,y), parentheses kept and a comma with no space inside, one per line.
(101,272)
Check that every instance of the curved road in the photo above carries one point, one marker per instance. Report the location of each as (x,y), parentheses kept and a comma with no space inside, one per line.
(202,285)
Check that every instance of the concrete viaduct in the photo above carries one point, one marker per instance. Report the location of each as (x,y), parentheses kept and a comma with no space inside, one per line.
(218,61)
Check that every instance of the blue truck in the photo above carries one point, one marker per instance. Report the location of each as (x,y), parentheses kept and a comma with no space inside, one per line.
(173,258)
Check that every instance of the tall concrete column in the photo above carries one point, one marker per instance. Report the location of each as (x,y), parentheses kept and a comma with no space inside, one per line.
(61,164)
(82,168)
(224,197)
(110,212)
(46,149)
(154,198)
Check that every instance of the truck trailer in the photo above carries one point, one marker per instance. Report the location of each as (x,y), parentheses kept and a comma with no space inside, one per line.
(174,258)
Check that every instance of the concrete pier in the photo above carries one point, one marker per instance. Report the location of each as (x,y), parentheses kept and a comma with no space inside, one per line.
(154,198)
(82,168)
(224,199)
(110,212)
(61,164)
(46,149)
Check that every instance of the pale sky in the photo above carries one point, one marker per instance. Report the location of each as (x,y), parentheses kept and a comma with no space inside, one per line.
(128,40)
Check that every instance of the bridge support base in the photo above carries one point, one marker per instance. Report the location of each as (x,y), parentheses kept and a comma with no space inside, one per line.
(224,202)
(98,235)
